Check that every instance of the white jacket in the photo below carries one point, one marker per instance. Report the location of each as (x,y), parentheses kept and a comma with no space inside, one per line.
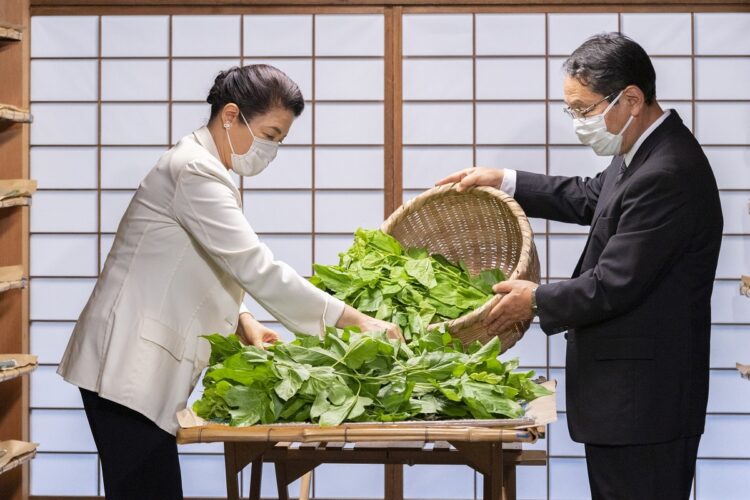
(183,257)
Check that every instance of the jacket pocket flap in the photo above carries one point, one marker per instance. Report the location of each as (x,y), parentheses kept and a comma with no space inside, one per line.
(625,348)
(163,336)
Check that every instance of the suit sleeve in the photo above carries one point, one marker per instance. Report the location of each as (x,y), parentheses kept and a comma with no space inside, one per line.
(653,230)
(563,199)
(205,205)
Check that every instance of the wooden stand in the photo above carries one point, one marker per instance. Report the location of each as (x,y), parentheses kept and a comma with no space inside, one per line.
(14,231)
(294,460)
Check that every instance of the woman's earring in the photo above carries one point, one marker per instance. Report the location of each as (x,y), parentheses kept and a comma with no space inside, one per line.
(227,125)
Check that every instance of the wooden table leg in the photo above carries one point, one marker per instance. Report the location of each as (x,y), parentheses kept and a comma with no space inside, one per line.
(282,481)
(394,482)
(304,486)
(493,477)
(232,469)
(256,476)
(509,482)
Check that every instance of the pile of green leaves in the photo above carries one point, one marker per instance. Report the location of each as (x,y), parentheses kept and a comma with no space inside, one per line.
(410,288)
(352,376)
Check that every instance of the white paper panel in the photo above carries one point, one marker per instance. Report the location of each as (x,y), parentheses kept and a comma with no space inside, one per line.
(555,77)
(423,166)
(528,159)
(73,124)
(531,350)
(722,479)
(557,346)
(268,485)
(349,481)
(125,167)
(48,389)
(64,474)
(726,342)
(722,33)
(59,299)
(723,123)
(727,305)
(134,124)
(510,34)
(428,481)
(564,252)
(568,31)
(278,35)
(735,210)
(64,80)
(63,255)
(561,129)
(192,79)
(674,78)
(211,36)
(294,250)
(188,117)
(72,211)
(349,79)
(279,211)
(114,204)
(726,435)
(731,166)
(438,123)
(48,340)
(426,79)
(134,80)
(437,34)
(560,442)
(343,212)
(203,476)
(576,162)
(684,110)
(510,123)
(139,36)
(499,78)
(349,35)
(64,36)
(734,257)
(722,397)
(292,168)
(659,33)
(301,130)
(568,479)
(68,167)
(726,78)
(338,123)
(349,168)
(328,247)
(61,430)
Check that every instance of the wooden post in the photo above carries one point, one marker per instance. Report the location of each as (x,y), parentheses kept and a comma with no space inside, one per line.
(232,469)
(256,477)
(394,482)
(493,477)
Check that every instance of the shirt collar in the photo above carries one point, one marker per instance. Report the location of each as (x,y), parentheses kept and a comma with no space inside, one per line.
(205,139)
(628,157)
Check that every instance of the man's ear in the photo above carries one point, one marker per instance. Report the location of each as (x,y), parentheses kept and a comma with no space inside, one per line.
(635,98)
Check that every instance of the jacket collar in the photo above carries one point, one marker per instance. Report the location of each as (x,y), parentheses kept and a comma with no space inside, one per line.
(656,137)
(205,139)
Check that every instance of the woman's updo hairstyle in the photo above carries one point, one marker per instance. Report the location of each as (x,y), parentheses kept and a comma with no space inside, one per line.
(255,89)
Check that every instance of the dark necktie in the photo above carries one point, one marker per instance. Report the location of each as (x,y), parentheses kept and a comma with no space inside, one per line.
(622,170)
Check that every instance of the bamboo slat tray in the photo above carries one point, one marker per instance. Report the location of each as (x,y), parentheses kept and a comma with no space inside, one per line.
(12,277)
(21,452)
(27,363)
(10,32)
(14,114)
(539,412)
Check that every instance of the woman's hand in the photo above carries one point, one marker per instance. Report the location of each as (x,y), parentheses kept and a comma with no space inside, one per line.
(474,176)
(252,332)
(352,317)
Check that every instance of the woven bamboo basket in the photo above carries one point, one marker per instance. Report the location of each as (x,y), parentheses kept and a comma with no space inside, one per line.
(483,227)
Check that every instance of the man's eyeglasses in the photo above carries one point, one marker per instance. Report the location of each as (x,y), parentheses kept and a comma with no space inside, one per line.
(581,113)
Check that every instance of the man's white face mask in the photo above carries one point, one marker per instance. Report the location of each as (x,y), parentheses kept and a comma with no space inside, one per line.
(592,131)
(261,153)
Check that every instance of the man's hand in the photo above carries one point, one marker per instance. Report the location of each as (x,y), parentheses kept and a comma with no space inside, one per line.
(252,332)
(515,306)
(474,176)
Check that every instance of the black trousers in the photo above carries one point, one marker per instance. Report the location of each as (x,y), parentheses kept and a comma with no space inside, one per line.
(662,471)
(139,460)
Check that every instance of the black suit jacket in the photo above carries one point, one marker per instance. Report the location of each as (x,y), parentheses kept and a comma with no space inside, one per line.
(637,309)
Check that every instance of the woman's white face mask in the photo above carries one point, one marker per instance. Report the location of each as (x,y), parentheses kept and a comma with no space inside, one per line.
(592,131)
(261,153)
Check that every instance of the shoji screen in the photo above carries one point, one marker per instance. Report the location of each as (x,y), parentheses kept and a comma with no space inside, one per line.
(485,89)
(110,94)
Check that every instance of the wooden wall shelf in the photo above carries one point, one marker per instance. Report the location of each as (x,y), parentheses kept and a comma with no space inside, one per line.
(10,32)
(12,277)
(28,363)
(16,192)
(22,452)
(14,114)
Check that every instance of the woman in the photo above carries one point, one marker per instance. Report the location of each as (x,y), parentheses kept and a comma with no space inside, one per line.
(182,260)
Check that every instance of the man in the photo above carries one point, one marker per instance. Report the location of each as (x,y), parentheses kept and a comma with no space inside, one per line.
(637,309)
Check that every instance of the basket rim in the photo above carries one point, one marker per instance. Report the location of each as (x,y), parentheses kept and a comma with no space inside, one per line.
(527,239)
